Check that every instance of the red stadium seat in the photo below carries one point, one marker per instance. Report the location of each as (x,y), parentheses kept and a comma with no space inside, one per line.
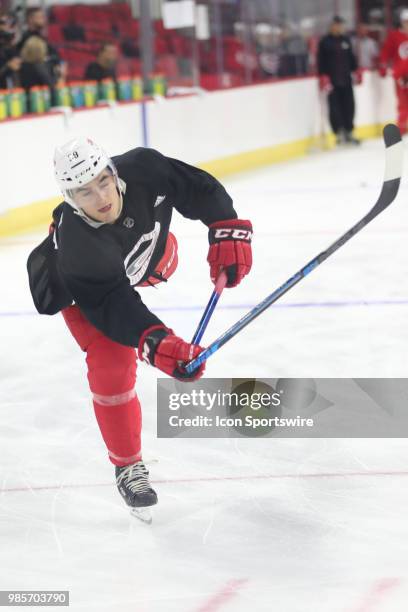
(61,14)
(77,60)
(160,46)
(167,64)
(102,13)
(159,27)
(130,29)
(134,27)
(135,66)
(82,13)
(54,33)
(97,36)
(180,45)
(63,53)
(120,11)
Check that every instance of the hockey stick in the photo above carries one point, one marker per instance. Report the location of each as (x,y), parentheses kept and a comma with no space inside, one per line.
(392,178)
(207,314)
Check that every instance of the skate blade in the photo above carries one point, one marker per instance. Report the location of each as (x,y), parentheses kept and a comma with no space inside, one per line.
(143,514)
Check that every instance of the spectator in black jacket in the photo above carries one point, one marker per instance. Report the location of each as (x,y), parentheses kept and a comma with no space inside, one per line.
(105,65)
(336,65)
(9,58)
(36,24)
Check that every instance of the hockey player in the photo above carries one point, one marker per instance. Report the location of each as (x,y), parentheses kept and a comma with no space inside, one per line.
(395,53)
(109,237)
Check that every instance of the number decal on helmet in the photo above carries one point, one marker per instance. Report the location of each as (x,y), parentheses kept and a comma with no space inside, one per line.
(73,156)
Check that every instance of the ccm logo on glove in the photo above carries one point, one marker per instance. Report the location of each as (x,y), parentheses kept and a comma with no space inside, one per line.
(233,234)
(230,250)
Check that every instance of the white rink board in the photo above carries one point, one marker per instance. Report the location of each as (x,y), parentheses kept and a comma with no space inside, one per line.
(235,121)
(27,147)
(196,129)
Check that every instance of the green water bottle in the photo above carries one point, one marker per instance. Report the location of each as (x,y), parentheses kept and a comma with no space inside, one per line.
(107,90)
(47,98)
(137,88)
(14,104)
(124,88)
(62,96)
(90,93)
(157,84)
(77,93)
(3,104)
(23,99)
(37,104)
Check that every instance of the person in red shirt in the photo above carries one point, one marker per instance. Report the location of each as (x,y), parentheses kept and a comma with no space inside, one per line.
(394,53)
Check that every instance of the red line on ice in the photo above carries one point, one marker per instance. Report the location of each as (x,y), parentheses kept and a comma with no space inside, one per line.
(228,591)
(213,479)
(377,594)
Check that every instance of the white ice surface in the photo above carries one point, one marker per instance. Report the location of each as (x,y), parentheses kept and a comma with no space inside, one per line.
(263,524)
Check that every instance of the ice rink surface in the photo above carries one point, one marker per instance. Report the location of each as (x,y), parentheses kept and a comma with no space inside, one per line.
(281,525)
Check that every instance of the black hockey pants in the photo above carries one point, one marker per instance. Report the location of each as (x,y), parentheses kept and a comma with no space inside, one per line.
(341,108)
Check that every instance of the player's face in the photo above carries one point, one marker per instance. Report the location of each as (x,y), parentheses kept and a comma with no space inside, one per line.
(337,29)
(99,199)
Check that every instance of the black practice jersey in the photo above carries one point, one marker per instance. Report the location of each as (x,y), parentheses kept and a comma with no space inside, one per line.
(98,268)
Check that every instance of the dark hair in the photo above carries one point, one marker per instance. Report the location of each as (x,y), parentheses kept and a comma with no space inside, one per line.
(107,43)
(337,19)
(31,11)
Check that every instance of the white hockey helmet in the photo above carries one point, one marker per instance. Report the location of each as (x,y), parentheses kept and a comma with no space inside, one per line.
(78,162)
(404,15)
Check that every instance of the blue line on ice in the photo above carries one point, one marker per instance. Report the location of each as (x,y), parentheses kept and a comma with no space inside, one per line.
(334,304)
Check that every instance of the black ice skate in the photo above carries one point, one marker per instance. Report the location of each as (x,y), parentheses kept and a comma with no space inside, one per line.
(134,486)
(350,139)
(340,137)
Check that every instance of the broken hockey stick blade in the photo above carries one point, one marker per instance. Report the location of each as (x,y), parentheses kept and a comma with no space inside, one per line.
(209,309)
(392,179)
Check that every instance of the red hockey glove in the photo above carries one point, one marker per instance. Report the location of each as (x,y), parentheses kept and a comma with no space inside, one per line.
(358,77)
(325,83)
(159,346)
(230,250)
(382,71)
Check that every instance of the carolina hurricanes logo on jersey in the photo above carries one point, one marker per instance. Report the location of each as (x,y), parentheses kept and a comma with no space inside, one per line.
(136,262)
(403,50)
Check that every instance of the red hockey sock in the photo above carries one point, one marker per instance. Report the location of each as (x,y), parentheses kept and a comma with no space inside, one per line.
(112,378)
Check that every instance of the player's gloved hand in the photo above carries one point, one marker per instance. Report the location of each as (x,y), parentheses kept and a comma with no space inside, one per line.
(382,71)
(358,77)
(325,83)
(159,346)
(230,250)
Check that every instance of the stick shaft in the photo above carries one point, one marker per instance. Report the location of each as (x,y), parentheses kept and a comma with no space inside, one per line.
(394,154)
(208,312)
